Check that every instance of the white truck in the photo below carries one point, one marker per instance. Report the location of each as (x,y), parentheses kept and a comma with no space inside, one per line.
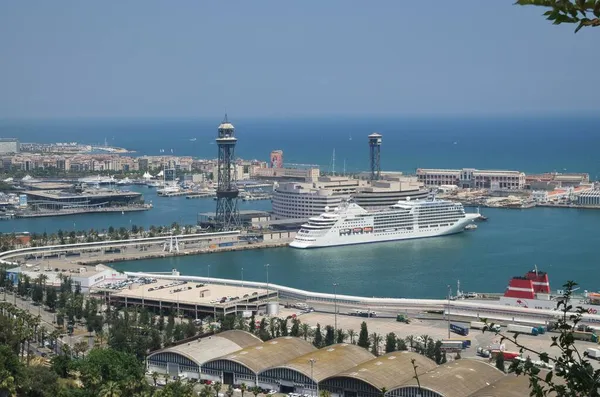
(523,329)
(481,325)
(593,353)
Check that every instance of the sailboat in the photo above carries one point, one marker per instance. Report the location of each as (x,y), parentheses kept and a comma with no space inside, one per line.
(193,140)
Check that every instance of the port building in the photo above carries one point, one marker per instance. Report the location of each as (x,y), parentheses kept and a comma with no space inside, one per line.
(298,200)
(9,146)
(188,358)
(246,365)
(471,178)
(289,364)
(303,374)
(59,200)
(589,197)
(457,378)
(387,372)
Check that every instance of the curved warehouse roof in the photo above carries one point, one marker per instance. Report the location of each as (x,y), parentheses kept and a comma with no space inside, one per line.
(329,360)
(390,370)
(204,349)
(269,354)
(510,386)
(458,378)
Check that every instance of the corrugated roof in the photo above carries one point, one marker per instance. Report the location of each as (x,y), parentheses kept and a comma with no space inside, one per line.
(271,354)
(510,386)
(390,370)
(458,378)
(205,349)
(329,360)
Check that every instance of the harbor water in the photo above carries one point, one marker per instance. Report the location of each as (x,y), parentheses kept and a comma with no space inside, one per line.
(511,242)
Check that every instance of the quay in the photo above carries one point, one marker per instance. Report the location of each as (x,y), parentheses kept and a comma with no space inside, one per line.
(74,211)
(200,195)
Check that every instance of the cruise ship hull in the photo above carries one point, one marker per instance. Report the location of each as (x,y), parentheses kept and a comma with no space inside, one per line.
(332,240)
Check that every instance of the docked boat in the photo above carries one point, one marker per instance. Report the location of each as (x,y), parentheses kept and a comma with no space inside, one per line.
(352,224)
(533,291)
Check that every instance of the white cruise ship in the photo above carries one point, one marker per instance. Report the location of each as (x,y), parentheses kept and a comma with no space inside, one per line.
(352,224)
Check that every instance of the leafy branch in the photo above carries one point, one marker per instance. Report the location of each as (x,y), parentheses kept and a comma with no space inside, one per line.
(581,12)
(572,374)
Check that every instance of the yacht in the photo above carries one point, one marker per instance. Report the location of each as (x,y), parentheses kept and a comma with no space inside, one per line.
(352,224)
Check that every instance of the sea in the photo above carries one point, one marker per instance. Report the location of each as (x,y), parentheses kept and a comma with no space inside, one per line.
(559,241)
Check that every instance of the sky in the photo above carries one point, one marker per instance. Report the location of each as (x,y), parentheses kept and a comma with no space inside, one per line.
(147,58)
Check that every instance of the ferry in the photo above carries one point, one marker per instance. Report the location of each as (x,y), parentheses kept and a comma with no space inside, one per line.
(532,291)
(352,224)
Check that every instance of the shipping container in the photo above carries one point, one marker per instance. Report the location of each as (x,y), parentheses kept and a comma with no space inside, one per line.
(459,329)
(465,342)
(481,325)
(593,353)
(452,345)
(586,336)
(523,329)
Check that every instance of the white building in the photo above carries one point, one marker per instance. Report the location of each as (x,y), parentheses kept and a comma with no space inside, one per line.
(85,276)
(589,197)
(473,178)
(9,145)
(302,174)
(294,200)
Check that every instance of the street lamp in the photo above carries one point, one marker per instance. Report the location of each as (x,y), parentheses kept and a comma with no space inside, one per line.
(335,304)
(267,268)
(312,362)
(448,311)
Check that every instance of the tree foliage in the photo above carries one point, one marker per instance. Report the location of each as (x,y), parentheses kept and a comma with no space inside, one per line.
(580,12)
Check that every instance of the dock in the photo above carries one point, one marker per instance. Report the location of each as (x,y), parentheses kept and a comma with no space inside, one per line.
(76,211)
(200,195)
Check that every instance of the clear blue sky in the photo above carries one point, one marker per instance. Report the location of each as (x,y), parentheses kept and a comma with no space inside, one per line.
(279,58)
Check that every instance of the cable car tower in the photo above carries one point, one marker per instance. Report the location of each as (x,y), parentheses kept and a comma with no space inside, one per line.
(227,216)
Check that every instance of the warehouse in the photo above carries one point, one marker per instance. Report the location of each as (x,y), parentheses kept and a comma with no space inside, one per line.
(303,374)
(458,378)
(187,358)
(246,364)
(369,378)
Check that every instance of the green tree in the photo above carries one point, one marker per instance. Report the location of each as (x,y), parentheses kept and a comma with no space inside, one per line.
(401,345)
(283,326)
(217,386)
(329,335)
(390,342)
(243,389)
(340,336)
(580,12)
(108,365)
(51,298)
(500,361)
(39,381)
(252,324)
(351,335)
(437,352)
(110,389)
(155,377)
(295,331)
(263,334)
(318,340)
(363,337)
(304,330)
(61,365)
(376,341)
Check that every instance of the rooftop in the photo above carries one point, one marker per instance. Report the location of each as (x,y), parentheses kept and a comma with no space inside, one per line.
(270,354)
(204,349)
(458,378)
(390,370)
(329,360)
(190,293)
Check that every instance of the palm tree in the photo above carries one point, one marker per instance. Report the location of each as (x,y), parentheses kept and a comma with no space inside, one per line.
(410,339)
(217,386)
(255,390)
(110,389)
(304,330)
(155,377)
(351,335)
(166,376)
(229,391)
(325,393)
(206,391)
(243,388)
(375,340)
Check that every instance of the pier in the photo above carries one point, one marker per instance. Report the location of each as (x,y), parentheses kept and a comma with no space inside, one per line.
(75,211)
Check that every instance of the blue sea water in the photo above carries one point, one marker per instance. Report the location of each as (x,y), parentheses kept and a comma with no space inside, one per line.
(562,242)
(530,144)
